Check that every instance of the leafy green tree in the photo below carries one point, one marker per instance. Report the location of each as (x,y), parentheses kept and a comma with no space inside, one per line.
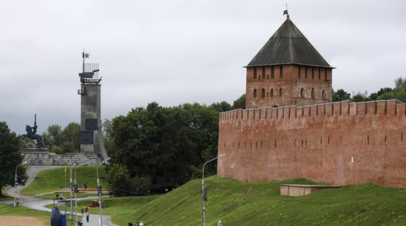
(57,150)
(143,184)
(360,97)
(222,106)
(400,83)
(68,147)
(374,96)
(62,141)
(70,134)
(398,94)
(165,142)
(53,136)
(28,143)
(239,103)
(343,95)
(107,130)
(10,157)
(118,179)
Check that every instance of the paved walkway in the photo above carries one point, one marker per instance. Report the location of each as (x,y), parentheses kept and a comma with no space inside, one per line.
(39,204)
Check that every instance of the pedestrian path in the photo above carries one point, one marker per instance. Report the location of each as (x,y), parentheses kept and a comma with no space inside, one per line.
(39,204)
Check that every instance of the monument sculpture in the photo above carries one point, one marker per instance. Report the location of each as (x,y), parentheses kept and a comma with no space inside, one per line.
(31,134)
(92,149)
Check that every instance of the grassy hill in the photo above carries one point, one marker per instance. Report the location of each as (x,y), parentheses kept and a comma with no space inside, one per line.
(54,179)
(365,204)
(43,217)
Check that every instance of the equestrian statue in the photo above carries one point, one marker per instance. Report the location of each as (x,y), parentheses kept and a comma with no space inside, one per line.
(31,134)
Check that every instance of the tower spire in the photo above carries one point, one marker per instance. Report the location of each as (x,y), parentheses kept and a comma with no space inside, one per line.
(286,11)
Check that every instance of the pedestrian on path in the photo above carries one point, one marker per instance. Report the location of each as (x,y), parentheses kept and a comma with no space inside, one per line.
(136,224)
(83,210)
(220,223)
(141,224)
(86,209)
(87,216)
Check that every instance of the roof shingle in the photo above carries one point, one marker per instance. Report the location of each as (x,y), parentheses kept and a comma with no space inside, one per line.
(288,46)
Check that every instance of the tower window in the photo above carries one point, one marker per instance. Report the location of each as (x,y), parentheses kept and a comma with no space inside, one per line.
(255,93)
(299,71)
(313,93)
(263,72)
(281,71)
(302,92)
(255,73)
(263,93)
(323,94)
(280,92)
(272,74)
(305,72)
(267,76)
(271,92)
(312,72)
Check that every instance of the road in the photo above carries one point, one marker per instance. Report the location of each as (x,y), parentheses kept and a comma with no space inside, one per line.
(39,204)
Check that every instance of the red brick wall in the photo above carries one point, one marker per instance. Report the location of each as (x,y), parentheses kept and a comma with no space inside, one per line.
(291,83)
(316,142)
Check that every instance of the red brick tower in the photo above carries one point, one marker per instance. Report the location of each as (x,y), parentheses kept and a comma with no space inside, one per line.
(288,70)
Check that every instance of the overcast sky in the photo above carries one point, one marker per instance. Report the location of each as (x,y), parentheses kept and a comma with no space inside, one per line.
(176,52)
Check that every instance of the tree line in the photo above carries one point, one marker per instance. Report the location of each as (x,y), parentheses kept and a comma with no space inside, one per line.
(398,92)
(157,148)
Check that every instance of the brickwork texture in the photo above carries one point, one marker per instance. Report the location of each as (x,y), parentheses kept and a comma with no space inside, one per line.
(338,143)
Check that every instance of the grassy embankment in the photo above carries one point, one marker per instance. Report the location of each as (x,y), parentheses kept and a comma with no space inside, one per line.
(4,195)
(53,179)
(365,204)
(43,217)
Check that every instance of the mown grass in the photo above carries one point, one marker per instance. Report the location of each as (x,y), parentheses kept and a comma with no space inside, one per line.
(43,217)
(53,179)
(365,204)
(4,195)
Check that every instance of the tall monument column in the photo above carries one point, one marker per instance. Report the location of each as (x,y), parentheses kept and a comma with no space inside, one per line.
(90,135)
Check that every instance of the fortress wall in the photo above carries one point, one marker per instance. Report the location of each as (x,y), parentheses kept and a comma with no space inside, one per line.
(339,143)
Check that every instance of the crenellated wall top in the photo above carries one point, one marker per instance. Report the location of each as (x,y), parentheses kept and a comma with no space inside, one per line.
(341,108)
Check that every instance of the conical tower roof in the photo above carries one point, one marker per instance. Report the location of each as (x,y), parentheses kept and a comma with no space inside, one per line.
(288,46)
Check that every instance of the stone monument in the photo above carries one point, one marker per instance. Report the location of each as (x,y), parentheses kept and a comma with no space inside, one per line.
(31,134)
(90,135)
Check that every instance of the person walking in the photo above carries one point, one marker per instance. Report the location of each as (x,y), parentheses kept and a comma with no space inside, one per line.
(86,209)
(136,224)
(220,223)
(87,216)
(83,210)
(141,224)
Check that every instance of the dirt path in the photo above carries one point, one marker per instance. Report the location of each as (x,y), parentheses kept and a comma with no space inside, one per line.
(246,193)
(19,221)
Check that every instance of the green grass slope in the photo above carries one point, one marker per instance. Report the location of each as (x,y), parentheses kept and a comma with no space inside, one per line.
(43,217)
(54,179)
(365,204)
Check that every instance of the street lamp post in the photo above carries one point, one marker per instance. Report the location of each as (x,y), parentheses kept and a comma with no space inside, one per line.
(71,207)
(100,192)
(15,181)
(203,193)
(76,201)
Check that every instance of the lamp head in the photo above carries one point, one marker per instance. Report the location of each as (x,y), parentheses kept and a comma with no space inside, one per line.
(24,163)
(222,155)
